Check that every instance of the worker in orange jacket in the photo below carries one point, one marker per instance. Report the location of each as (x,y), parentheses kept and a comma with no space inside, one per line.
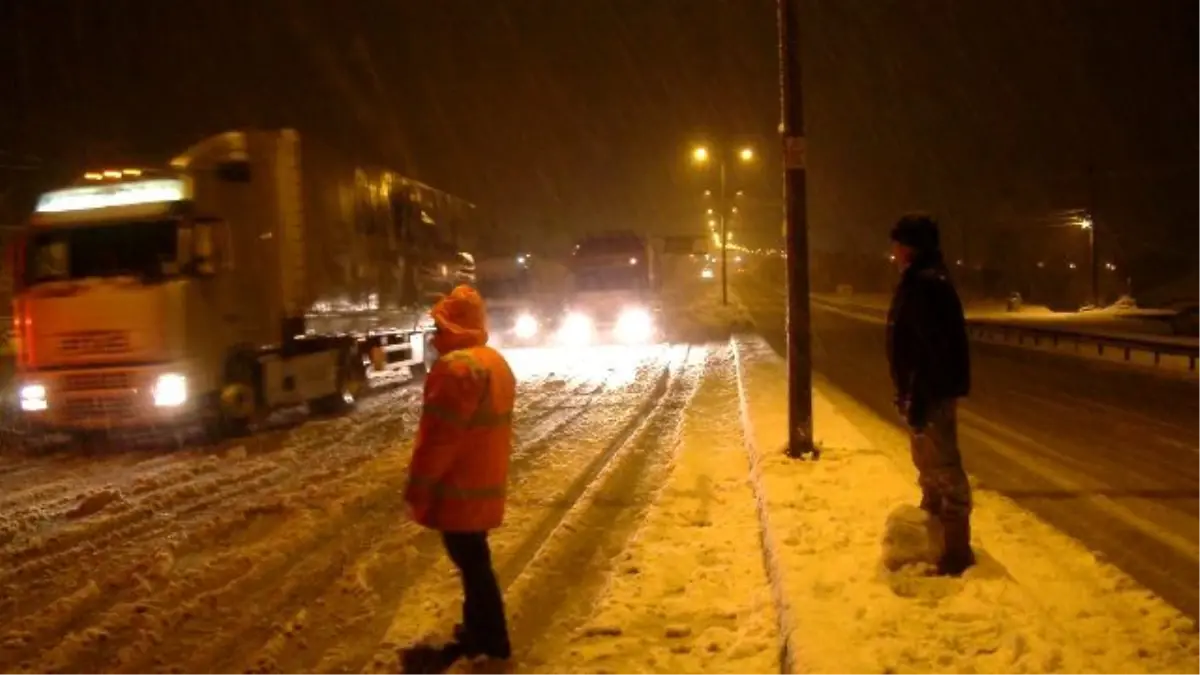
(460,464)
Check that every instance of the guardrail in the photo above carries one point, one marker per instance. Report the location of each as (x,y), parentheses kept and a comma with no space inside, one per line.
(1149,351)
(1124,349)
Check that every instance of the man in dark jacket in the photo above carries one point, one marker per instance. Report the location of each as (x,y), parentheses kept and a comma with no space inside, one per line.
(930,364)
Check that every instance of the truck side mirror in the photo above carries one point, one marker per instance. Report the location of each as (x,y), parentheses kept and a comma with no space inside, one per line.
(203,249)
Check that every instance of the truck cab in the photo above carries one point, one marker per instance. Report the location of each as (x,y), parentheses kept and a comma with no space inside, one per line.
(613,294)
(224,286)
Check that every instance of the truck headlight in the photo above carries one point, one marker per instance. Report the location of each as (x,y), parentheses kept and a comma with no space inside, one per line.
(635,325)
(33,398)
(170,390)
(576,329)
(525,327)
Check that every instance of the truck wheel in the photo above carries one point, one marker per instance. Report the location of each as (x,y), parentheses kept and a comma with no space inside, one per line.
(351,377)
(238,405)
(236,408)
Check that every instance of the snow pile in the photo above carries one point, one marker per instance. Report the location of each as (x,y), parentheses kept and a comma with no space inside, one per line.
(847,547)
(689,593)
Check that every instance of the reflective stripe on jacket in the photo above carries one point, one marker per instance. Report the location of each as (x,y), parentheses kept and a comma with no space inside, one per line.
(460,462)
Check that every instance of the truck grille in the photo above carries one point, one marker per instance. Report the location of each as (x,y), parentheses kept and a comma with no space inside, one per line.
(113,379)
(104,408)
(94,342)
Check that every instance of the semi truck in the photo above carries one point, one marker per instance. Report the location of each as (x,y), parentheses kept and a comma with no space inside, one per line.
(613,292)
(254,272)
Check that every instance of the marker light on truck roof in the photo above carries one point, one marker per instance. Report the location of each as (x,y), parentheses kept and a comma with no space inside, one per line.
(112,194)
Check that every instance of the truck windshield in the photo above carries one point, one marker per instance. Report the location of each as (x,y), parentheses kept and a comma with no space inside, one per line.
(514,287)
(609,279)
(145,249)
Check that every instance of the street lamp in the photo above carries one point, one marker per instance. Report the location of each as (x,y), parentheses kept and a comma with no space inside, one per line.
(701,157)
(1086,223)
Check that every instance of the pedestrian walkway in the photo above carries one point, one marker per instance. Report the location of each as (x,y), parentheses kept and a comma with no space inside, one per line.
(846,545)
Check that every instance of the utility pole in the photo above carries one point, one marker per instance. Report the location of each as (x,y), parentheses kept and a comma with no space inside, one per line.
(1092,235)
(795,199)
(722,207)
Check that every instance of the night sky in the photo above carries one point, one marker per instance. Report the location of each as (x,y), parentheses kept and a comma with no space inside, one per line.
(561,116)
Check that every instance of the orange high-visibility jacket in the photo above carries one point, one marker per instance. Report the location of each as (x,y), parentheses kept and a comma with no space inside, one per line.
(459,466)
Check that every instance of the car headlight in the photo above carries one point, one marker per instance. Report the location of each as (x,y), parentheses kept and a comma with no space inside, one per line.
(33,398)
(576,329)
(525,327)
(706,273)
(170,390)
(635,325)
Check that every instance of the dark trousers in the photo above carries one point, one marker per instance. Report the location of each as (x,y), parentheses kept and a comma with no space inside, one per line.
(945,490)
(484,630)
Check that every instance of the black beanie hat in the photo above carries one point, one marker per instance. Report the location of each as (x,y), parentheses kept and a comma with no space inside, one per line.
(917,231)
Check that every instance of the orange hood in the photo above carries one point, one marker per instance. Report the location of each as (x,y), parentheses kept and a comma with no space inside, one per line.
(461,319)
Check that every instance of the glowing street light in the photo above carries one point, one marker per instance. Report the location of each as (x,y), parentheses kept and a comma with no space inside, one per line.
(701,156)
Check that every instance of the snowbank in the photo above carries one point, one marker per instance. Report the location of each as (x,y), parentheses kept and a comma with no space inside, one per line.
(846,548)
(689,593)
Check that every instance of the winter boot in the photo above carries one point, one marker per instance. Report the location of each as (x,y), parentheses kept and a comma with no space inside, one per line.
(957,555)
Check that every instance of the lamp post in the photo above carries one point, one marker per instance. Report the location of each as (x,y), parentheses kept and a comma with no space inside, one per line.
(1088,224)
(702,157)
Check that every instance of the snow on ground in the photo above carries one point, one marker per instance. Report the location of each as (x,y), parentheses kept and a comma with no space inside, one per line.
(689,594)
(289,551)
(693,311)
(847,550)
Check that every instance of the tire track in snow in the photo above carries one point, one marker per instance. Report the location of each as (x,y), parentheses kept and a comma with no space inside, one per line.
(535,525)
(300,473)
(292,571)
(156,493)
(401,560)
(578,553)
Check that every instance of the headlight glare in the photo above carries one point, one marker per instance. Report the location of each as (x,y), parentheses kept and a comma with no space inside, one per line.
(170,390)
(576,329)
(635,325)
(33,397)
(525,327)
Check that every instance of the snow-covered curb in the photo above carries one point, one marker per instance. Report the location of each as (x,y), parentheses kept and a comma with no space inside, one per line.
(689,593)
(1037,602)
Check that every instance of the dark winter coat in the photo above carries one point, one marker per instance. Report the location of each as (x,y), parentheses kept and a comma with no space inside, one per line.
(927,340)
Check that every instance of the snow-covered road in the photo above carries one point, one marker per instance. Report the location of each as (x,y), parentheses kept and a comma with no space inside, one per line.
(291,551)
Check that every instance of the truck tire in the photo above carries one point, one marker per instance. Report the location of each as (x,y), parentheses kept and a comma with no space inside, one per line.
(351,378)
(238,405)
